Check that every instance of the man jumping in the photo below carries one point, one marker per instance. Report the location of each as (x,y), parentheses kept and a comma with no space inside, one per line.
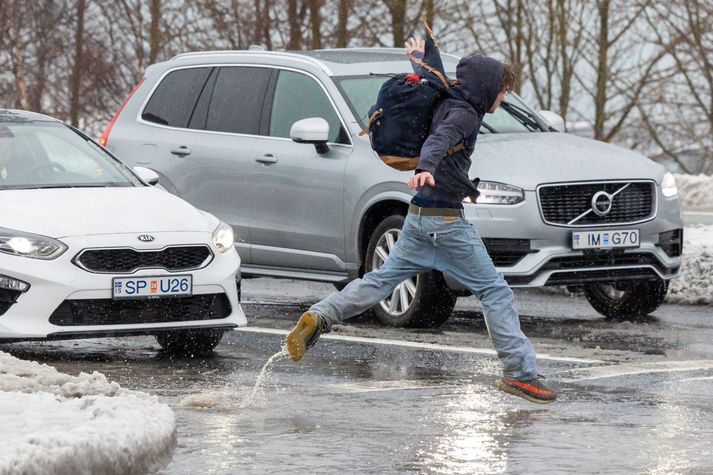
(437,236)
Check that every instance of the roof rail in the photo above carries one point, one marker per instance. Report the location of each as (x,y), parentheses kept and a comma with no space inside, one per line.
(282,54)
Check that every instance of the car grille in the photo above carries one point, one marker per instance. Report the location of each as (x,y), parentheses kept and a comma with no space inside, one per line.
(507,252)
(125,260)
(587,268)
(561,204)
(7,299)
(119,312)
(671,242)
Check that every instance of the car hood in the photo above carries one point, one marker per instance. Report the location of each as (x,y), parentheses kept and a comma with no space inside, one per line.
(86,211)
(529,159)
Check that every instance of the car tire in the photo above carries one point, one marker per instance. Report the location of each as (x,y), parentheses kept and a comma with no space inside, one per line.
(628,300)
(430,302)
(190,342)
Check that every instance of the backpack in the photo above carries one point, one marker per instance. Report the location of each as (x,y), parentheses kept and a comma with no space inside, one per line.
(400,121)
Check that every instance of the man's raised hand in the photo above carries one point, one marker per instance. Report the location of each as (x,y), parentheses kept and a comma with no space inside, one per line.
(415,44)
(420,179)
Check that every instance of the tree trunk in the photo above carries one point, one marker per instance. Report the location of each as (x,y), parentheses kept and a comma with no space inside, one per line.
(294,22)
(428,8)
(600,97)
(315,21)
(155,32)
(397,8)
(257,36)
(78,68)
(343,16)
(22,100)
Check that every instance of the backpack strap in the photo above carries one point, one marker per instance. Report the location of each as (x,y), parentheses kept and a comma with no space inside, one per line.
(430,69)
(365,130)
(455,148)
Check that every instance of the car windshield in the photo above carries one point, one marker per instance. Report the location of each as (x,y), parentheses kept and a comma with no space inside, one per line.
(512,116)
(51,155)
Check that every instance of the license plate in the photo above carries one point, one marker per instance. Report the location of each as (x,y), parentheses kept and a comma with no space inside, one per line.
(605,239)
(147,287)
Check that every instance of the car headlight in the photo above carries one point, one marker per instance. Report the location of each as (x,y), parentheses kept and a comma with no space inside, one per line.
(668,185)
(494,193)
(34,246)
(223,237)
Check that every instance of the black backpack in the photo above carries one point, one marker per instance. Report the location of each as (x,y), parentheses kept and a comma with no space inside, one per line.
(400,121)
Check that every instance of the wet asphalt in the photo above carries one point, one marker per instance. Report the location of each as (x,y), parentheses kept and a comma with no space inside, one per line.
(635,397)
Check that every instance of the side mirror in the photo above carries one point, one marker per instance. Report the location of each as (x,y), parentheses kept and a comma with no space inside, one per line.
(147,175)
(555,120)
(314,130)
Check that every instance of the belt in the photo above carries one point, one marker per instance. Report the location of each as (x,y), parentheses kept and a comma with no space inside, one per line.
(435,211)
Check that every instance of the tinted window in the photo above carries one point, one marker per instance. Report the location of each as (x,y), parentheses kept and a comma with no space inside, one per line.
(237,100)
(174,100)
(298,96)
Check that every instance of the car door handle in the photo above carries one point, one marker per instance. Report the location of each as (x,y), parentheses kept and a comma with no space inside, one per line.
(267,159)
(181,151)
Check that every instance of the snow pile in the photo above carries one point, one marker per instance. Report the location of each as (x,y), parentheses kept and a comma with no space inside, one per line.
(696,191)
(695,285)
(61,424)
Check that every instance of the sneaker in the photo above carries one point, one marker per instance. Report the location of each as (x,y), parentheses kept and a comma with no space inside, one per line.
(304,335)
(534,390)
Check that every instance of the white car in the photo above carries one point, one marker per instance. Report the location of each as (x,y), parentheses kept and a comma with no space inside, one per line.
(89,248)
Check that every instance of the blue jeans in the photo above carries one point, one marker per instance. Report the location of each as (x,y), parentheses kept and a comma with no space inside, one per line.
(452,246)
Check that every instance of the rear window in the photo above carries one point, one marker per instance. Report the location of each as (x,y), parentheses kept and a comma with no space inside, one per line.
(174,100)
(237,100)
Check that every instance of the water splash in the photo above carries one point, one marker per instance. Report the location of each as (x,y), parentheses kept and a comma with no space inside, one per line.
(257,393)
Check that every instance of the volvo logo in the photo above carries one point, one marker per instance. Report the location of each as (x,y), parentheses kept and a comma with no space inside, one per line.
(145,238)
(602,203)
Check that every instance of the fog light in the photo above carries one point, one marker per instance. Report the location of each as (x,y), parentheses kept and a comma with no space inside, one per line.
(8,283)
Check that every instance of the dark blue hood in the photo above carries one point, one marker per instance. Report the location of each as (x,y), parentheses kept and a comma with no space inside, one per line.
(479,81)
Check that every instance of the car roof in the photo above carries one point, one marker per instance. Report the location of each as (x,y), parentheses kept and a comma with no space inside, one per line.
(17,115)
(335,62)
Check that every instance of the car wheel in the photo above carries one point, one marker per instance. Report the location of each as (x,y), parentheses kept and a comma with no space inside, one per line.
(627,300)
(189,342)
(423,301)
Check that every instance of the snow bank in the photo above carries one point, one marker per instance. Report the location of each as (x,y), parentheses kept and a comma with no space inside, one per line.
(61,424)
(696,191)
(695,285)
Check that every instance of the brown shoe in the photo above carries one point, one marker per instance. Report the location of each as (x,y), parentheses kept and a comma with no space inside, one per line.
(304,335)
(534,390)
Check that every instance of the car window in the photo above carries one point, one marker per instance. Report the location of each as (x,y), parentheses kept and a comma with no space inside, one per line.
(237,100)
(51,155)
(298,96)
(174,100)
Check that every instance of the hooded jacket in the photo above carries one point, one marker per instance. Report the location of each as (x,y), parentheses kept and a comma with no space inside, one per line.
(457,120)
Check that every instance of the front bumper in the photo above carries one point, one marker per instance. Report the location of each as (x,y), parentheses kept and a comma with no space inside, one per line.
(60,283)
(550,259)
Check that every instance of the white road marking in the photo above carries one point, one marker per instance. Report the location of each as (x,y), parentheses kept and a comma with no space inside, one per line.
(629,369)
(379,386)
(415,344)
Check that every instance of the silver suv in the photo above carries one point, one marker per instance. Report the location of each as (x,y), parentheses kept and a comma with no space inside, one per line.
(269,142)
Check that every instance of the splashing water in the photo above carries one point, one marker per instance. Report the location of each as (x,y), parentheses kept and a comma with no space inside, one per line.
(257,392)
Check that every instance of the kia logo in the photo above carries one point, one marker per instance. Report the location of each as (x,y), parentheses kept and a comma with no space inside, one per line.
(145,238)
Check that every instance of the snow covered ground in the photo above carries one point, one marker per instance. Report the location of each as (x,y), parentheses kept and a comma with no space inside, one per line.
(61,424)
(695,285)
(696,191)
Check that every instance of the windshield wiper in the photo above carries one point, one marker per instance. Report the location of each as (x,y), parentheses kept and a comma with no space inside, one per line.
(522,115)
(490,129)
(86,185)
